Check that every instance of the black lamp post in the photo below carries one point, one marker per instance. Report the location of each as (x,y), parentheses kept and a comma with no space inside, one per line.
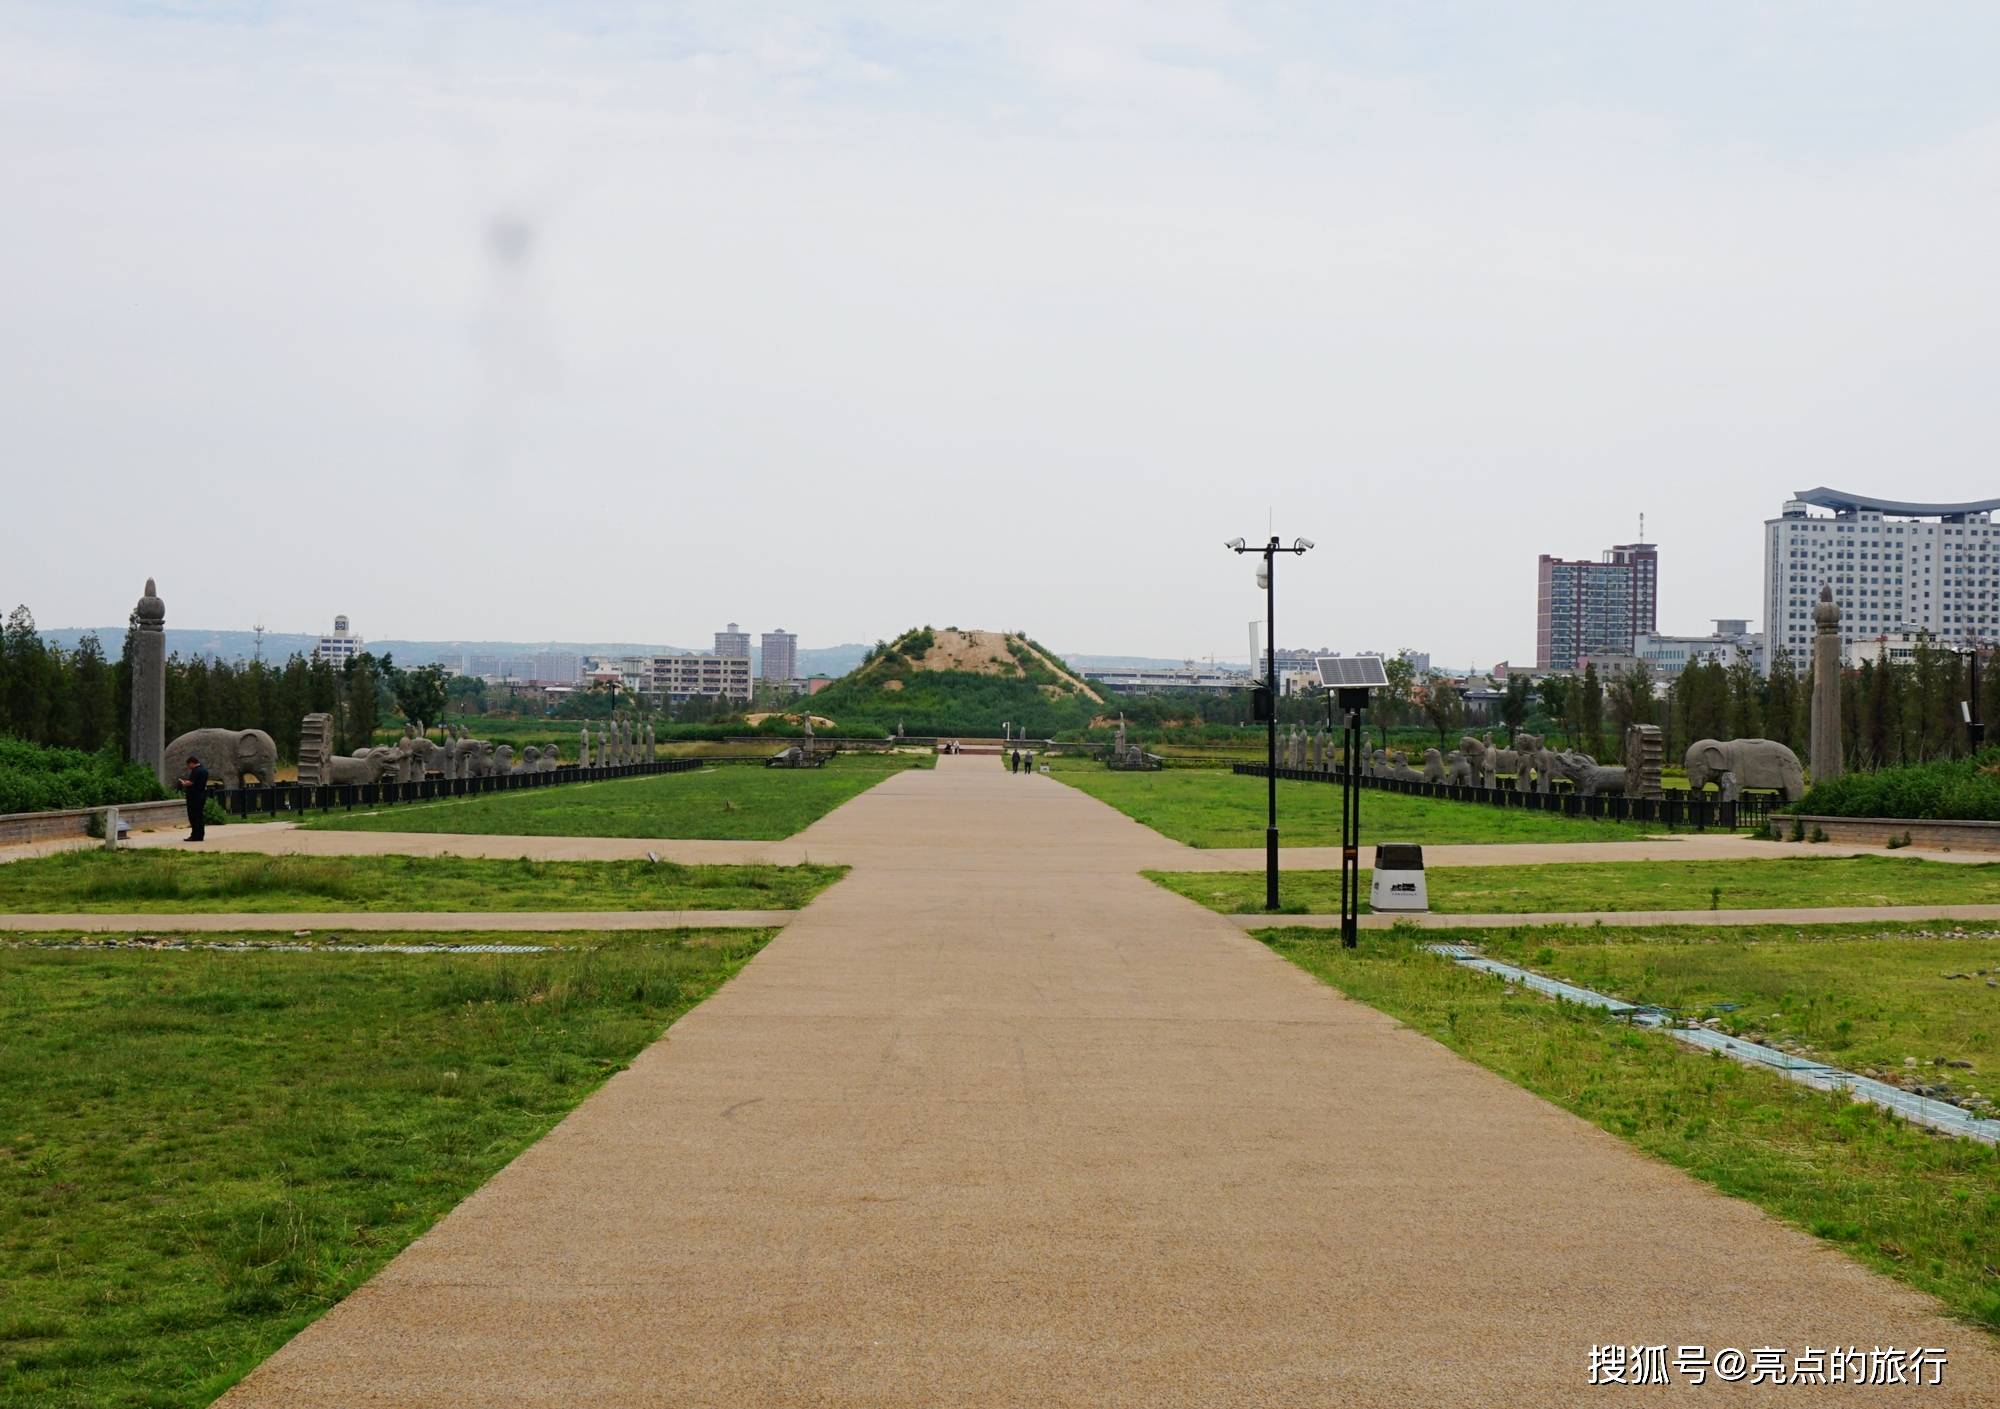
(1269,552)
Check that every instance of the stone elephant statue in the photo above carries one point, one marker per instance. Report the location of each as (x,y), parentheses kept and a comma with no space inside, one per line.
(229,755)
(1737,764)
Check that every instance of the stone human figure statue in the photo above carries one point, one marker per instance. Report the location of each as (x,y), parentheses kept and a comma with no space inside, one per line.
(651,744)
(583,747)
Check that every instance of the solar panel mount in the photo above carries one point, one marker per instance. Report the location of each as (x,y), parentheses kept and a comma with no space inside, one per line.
(1352,672)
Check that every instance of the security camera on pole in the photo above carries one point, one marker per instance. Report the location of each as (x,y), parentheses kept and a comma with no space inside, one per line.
(1268,707)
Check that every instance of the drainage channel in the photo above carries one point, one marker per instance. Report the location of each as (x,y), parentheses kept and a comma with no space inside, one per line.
(1937,1115)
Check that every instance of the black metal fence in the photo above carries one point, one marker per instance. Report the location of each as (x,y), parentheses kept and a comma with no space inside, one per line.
(1675,809)
(298,798)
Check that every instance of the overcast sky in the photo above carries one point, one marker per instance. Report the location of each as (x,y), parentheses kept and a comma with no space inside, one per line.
(610,321)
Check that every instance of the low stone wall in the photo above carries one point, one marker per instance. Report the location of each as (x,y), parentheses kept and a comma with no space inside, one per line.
(17,827)
(1878,831)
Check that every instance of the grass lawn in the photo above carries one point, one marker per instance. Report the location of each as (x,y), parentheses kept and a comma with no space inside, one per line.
(736,802)
(1920,1207)
(1212,807)
(168,882)
(1625,885)
(1865,997)
(201,1152)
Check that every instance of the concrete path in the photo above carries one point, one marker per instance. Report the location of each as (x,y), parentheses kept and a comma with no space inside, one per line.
(1808,915)
(334,921)
(997,1122)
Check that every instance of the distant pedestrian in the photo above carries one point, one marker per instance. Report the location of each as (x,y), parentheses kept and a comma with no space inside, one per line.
(1014,761)
(194,783)
(1028,765)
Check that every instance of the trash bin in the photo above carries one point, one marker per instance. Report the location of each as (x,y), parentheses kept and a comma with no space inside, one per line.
(1398,883)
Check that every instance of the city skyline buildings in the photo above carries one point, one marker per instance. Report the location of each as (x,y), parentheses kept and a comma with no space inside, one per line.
(1595,606)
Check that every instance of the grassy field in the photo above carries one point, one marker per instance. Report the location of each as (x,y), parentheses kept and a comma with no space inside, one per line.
(1866,997)
(1625,885)
(167,882)
(1922,1208)
(1211,807)
(202,1152)
(738,803)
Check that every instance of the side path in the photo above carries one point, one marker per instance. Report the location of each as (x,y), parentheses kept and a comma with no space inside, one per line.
(995,1121)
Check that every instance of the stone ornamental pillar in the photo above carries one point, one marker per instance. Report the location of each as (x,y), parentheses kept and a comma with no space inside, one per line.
(1827,759)
(148,741)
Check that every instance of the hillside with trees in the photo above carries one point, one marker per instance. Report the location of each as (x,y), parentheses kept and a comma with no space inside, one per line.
(952,682)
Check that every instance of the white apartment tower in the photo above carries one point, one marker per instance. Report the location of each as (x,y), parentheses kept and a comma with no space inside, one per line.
(1894,567)
(733,643)
(780,656)
(341,646)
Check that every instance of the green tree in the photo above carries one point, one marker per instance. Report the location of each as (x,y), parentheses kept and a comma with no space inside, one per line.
(1746,698)
(1514,704)
(1631,700)
(1557,695)
(1783,691)
(1443,707)
(26,682)
(96,696)
(420,693)
(1590,712)
(360,702)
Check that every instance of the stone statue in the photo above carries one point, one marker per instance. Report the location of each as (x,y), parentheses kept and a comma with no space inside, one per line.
(1744,763)
(229,755)
(1434,771)
(1458,769)
(315,748)
(1586,774)
(652,747)
(583,747)
(551,758)
(365,766)
(503,759)
(1828,759)
(1645,753)
(149,687)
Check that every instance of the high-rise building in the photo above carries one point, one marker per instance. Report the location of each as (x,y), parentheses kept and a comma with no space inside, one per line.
(781,656)
(1586,607)
(342,646)
(733,643)
(1895,568)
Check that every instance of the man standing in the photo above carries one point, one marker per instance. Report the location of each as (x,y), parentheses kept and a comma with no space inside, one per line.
(1014,761)
(194,783)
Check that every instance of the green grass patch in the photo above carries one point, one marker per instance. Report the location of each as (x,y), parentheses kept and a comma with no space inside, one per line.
(742,802)
(173,882)
(201,1152)
(1763,883)
(1909,1005)
(1212,807)
(1922,1208)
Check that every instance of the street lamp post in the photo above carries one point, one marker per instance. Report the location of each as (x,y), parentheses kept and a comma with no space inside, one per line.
(1269,552)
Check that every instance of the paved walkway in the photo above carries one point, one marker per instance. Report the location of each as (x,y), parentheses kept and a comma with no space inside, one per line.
(325,921)
(997,1122)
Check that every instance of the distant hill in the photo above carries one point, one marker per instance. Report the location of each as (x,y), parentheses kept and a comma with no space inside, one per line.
(955,682)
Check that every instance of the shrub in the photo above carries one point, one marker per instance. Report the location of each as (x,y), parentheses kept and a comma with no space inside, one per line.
(38,779)
(1962,789)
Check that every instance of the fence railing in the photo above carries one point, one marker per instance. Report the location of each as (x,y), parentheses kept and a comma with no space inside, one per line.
(301,798)
(1675,809)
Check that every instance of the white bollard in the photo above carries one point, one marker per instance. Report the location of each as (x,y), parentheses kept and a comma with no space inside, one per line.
(110,829)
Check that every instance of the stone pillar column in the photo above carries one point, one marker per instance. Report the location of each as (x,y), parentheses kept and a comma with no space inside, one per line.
(1826,751)
(148,742)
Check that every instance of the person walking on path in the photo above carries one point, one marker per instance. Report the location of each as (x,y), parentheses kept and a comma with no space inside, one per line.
(194,783)
(1028,763)
(1014,761)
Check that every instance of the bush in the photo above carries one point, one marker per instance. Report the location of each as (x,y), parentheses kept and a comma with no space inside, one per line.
(1960,789)
(38,779)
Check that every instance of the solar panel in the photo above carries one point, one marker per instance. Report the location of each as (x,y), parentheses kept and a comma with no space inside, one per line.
(1352,673)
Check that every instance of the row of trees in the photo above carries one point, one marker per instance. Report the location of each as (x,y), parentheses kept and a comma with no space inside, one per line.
(1892,712)
(82,699)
